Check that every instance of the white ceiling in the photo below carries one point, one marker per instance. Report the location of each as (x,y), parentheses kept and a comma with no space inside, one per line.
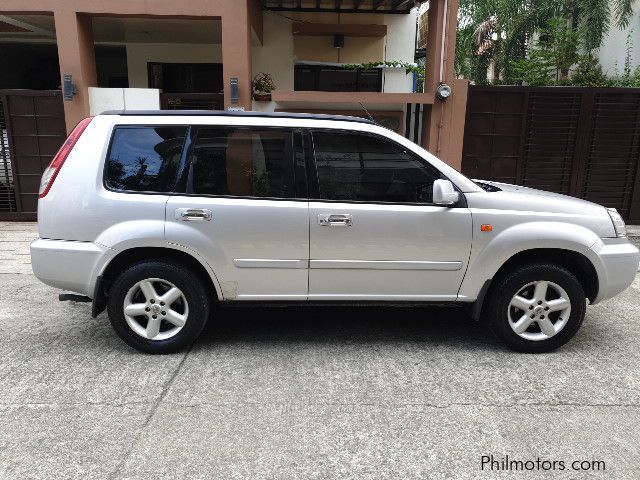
(153,30)
(38,27)
(124,29)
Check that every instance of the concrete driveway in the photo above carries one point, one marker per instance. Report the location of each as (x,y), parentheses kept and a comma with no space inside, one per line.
(308,393)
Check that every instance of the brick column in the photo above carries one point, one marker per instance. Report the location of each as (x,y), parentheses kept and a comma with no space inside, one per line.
(76,56)
(236,55)
(443,122)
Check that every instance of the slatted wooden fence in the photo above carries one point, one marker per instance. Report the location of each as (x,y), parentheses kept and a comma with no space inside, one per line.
(583,142)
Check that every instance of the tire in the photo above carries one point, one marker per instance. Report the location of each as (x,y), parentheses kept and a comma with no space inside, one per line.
(189,306)
(506,313)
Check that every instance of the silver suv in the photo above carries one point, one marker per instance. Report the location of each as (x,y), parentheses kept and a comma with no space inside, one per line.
(156,216)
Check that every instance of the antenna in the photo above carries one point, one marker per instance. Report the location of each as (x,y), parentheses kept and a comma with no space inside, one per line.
(368,114)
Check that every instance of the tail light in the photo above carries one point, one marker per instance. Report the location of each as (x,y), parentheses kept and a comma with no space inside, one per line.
(51,172)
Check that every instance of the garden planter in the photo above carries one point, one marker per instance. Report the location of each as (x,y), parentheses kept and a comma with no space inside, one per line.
(262,97)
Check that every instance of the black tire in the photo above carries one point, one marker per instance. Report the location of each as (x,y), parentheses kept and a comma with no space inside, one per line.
(497,312)
(176,274)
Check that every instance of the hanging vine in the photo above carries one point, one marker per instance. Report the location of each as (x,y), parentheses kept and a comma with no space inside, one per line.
(409,67)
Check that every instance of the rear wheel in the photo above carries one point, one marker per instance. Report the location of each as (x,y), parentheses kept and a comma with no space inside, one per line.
(537,308)
(158,306)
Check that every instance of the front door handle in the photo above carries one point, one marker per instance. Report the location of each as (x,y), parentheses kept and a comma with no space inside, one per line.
(335,220)
(193,214)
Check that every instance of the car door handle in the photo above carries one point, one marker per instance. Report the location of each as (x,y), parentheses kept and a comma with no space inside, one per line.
(335,220)
(193,214)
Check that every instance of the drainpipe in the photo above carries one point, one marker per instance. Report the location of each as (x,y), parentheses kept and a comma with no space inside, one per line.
(443,47)
(444,38)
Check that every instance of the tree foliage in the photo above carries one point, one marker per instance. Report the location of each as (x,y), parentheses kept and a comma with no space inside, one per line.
(510,34)
(551,57)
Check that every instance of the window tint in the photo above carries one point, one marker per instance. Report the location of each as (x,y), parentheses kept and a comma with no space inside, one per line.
(144,159)
(239,161)
(371,169)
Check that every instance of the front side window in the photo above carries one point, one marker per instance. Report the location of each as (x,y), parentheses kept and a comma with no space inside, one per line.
(144,159)
(243,162)
(368,168)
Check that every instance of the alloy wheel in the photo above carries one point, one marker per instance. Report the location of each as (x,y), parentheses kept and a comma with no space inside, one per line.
(539,310)
(155,309)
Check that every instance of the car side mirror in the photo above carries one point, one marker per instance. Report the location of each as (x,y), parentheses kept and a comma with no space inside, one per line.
(444,193)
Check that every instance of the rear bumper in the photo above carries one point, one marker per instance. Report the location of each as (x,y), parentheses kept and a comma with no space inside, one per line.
(616,262)
(68,265)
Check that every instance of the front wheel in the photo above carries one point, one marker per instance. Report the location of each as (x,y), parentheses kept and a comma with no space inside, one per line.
(537,308)
(158,306)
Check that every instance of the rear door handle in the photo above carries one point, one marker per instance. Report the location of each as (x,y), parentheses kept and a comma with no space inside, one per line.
(335,220)
(193,214)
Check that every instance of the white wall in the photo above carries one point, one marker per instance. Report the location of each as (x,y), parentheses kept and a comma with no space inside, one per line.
(138,54)
(400,45)
(613,51)
(275,56)
(104,99)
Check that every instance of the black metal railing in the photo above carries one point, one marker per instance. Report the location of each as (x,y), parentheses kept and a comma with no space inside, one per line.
(192,101)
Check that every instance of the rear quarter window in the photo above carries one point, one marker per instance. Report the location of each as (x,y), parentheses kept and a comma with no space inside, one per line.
(145,158)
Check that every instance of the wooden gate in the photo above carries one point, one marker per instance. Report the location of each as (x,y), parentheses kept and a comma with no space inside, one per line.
(32,127)
(583,142)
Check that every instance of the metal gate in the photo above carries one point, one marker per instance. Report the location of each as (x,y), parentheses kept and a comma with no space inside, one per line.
(32,127)
(583,142)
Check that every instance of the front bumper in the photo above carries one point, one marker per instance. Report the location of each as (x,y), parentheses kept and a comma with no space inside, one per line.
(616,261)
(65,264)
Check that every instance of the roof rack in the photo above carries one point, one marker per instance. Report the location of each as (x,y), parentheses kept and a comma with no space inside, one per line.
(226,113)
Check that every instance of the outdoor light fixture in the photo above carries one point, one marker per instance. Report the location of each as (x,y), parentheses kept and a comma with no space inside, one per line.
(235,95)
(338,40)
(68,88)
(443,91)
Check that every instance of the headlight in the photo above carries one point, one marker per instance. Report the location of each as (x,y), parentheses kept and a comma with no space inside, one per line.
(618,223)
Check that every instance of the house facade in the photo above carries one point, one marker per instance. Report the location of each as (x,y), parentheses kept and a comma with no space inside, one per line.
(205,53)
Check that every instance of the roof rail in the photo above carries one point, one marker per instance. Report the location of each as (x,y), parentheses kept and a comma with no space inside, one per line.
(225,113)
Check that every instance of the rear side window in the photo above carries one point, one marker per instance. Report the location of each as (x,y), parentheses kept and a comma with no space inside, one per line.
(242,162)
(368,168)
(144,159)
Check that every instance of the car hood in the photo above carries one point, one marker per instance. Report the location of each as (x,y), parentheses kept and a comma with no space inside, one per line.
(508,187)
(528,204)
(524,199)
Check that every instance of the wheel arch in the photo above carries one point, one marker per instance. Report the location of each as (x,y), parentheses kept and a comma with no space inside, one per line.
(575,262)
(134,255)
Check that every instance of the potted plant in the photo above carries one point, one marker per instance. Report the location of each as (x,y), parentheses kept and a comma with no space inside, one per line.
(262,86)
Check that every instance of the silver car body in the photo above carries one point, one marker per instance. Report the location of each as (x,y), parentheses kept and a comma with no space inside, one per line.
(261,249)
